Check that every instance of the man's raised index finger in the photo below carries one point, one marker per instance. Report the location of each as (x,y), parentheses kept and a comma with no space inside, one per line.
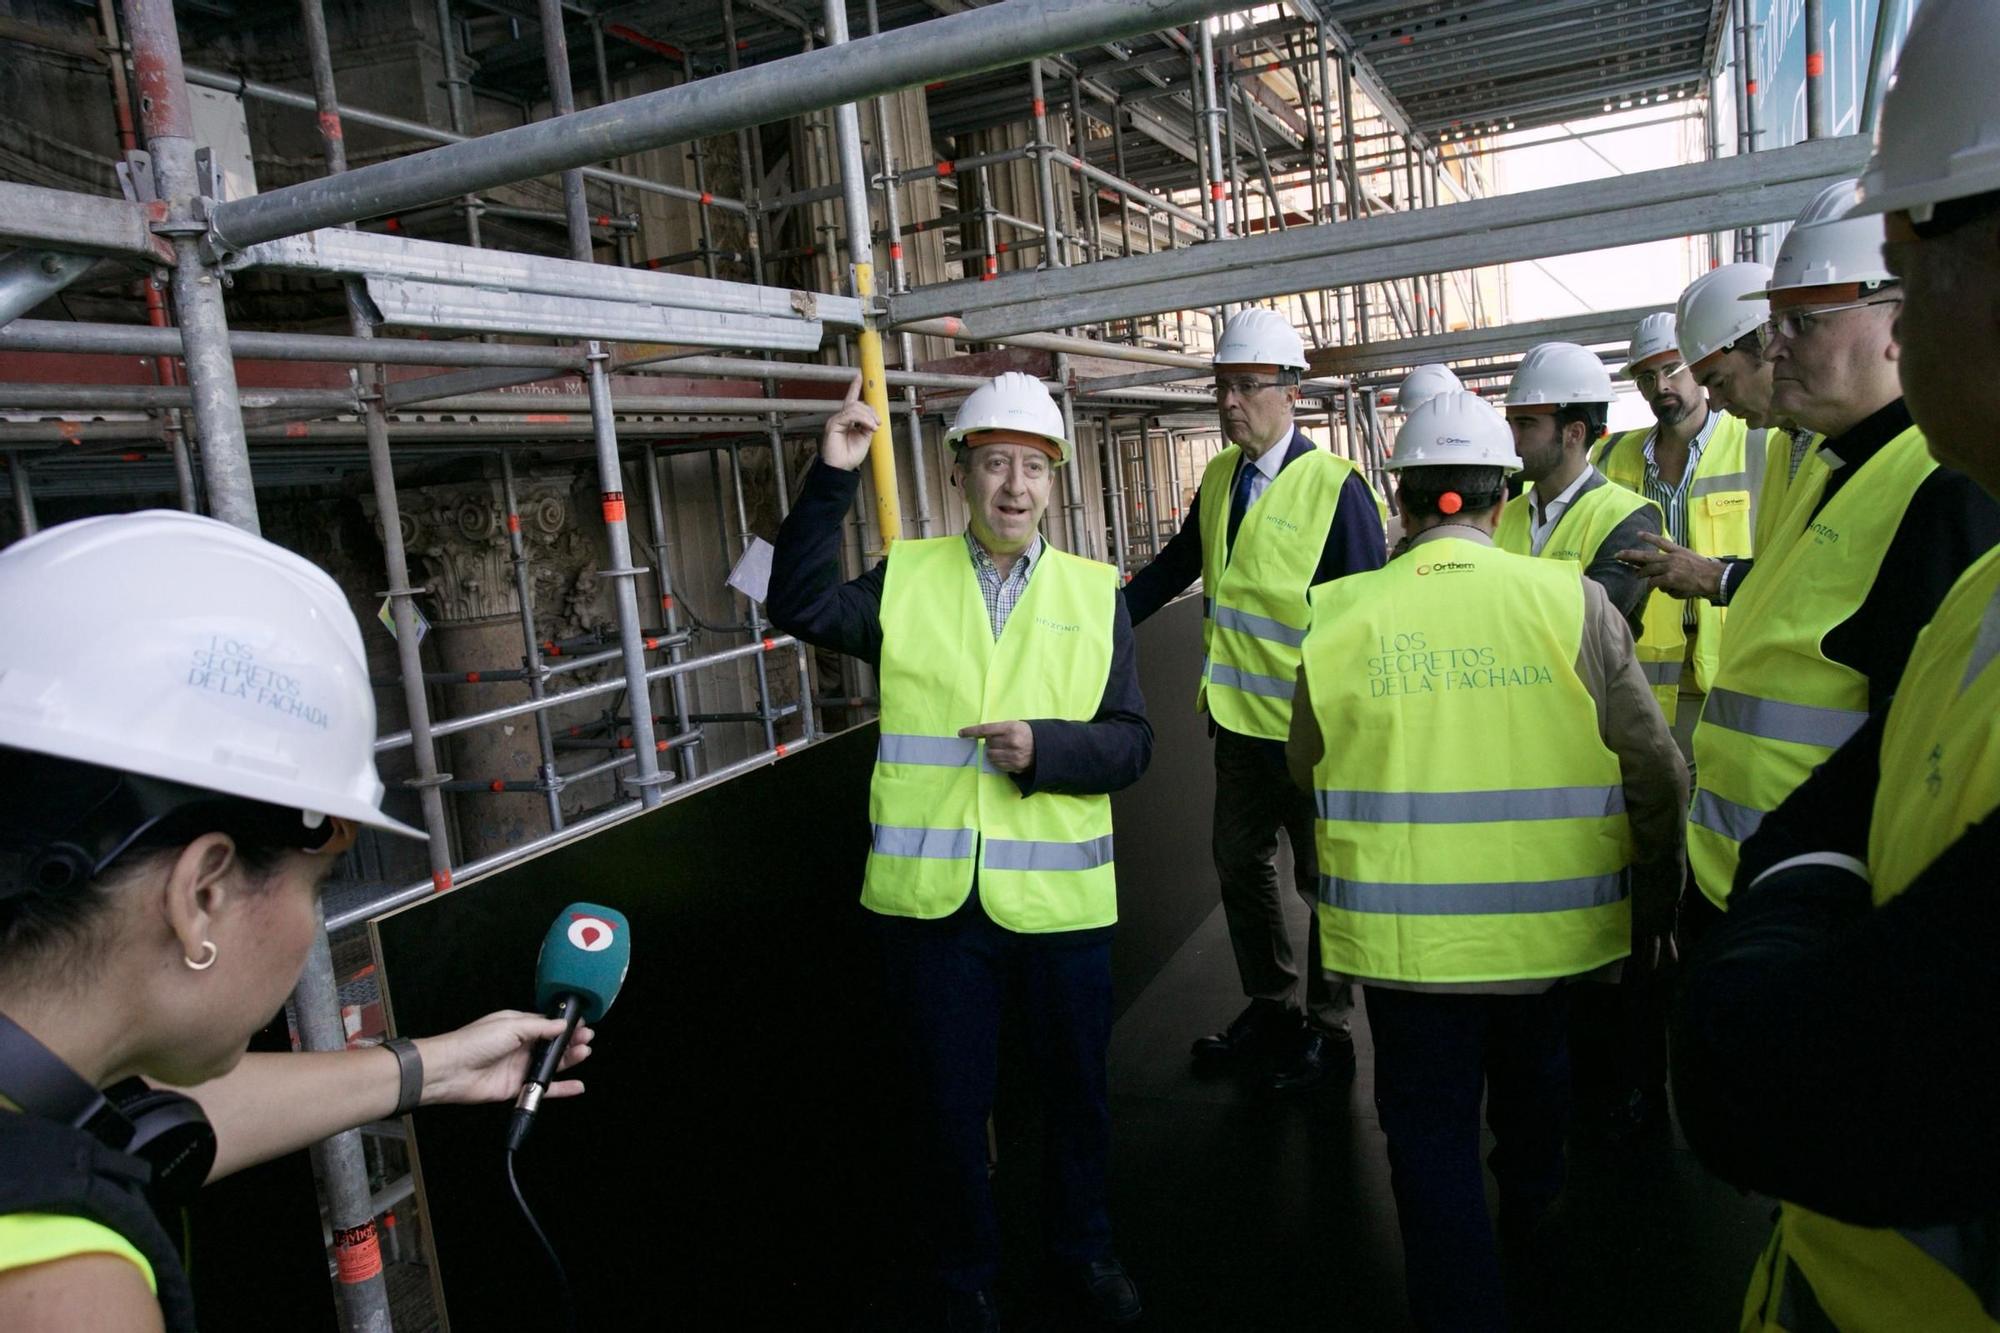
(853,390)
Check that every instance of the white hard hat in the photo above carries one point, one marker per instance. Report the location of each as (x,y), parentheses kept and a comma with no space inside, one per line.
(1719,307)
(1423,384)
(1014,401)
(1257,336)
(1939,134)
(1455,429)
(171,646)
(1827,247)
(1555,374)
(1653,336)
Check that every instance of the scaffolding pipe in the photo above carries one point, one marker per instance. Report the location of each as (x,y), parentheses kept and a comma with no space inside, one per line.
(1114,482)
(55,335)
(1147,473)
(663,584)
(861,268)
(950,326)
(343,1168)
(25,523)
(165,370)
(1818,114)
(452,726)
(610,469)
(455,84)
(1211,115)
(892,220)
(531,657)
(1886,14)
(1056,254)
(168,121)
(972,42)
(265,92)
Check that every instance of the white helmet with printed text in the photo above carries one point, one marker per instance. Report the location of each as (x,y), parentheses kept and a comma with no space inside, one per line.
(1423,384)
(1017,409)
(1938,138)
(1455,429)
(1717,309)
(179,648)
(1556,374)
(1830,247)
(1258,336)
(1652,336)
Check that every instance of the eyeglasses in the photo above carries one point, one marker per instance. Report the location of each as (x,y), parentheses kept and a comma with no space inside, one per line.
(1797,323)
(1648,380)
(1242,386)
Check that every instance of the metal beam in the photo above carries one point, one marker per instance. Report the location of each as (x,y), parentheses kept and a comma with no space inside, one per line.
(1644,206)
(983,39)
(32,217)
(1472,344)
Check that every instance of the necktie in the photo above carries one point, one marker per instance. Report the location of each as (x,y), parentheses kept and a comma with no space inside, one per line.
(1239,499)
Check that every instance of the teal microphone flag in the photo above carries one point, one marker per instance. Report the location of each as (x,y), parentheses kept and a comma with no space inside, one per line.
(585,954)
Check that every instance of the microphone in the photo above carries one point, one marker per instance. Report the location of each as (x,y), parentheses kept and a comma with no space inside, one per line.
(577,975)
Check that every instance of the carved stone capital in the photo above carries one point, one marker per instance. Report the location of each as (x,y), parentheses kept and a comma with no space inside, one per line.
(456,537)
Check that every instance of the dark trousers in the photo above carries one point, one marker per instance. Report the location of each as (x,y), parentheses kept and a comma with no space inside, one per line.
(1254,801)
(1435,1055)
(947,984)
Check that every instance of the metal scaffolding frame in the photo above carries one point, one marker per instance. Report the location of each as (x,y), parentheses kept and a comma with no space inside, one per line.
(1209,190)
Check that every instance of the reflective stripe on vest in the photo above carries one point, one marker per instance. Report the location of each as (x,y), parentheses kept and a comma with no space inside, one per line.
(1511,899)
(1779,706)
(1660,674)
(941,813)
(939,751)
(1255,612)
(1519,871)
(1776,720)
(1470,807)
(1939,775)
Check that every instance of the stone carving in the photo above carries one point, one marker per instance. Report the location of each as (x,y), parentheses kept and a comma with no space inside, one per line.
(456,536)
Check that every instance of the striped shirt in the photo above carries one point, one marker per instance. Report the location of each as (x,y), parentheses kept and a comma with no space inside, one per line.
(1002,593)
(1673,500)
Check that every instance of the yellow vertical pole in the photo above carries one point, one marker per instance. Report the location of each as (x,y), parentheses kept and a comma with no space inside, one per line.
(875,392)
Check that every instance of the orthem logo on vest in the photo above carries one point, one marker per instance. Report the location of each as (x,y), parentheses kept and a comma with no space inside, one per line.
(1445,567)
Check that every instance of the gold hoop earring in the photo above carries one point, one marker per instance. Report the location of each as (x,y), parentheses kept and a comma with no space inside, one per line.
(208,952)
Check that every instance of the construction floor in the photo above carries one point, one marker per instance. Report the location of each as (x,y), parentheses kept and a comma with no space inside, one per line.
(1240,1213)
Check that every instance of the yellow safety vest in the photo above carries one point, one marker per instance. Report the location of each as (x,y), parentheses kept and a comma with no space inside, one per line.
(27,1239)
(1591,517)
(1255,609)
(1940,774)
(938,809)
(1780,705)
(1722,502)
(1778,475)
(1471,822)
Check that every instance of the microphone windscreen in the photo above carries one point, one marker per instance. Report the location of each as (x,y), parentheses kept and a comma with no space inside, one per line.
(585,954)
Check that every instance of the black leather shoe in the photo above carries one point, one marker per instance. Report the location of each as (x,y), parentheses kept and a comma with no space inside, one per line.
(970,1312)
(1317,1057)
(1257,1028)
(1108,1290)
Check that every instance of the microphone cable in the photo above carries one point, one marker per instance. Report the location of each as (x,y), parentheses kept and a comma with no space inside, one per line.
(568,1297)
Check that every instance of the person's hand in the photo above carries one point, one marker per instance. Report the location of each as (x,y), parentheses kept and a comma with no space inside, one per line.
(1675,569)
(1653,952)
(487,1059)
(1010,746)
(849,431)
